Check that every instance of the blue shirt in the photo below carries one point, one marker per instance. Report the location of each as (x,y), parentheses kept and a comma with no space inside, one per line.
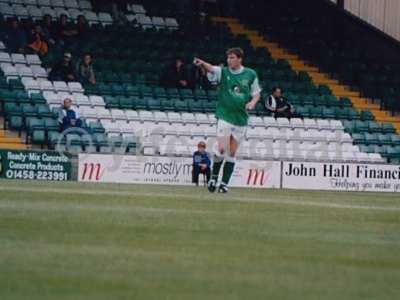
(201,158)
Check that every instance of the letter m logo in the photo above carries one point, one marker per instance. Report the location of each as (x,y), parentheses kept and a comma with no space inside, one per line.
(91,171)
(256,177)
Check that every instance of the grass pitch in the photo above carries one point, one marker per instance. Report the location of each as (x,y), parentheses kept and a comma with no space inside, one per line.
(108,241)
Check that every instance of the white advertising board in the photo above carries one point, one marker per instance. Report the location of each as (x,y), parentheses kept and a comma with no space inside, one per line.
(169,170)
(341,177)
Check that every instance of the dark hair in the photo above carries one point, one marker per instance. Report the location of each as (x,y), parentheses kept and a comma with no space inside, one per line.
(275,88)
(236,51)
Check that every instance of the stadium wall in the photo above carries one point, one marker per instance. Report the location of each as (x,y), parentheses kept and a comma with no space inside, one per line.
(383,14)
(248,173)
(55,166)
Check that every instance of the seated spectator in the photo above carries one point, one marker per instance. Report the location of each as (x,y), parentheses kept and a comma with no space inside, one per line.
(201,163)
(48,29)
(63,70)
(67,33)
(37,43)
(67,117)
(15,37)
(278,105)
(85,70)
(176,75)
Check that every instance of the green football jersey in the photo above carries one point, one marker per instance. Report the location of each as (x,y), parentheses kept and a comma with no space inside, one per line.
(234,92)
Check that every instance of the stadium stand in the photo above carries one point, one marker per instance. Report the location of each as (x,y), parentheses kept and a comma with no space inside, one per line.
(128,111)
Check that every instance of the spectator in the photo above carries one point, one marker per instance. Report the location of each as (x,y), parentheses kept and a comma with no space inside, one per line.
(37,43)
(176,75)
(278,105)
(63,70)
(201,27)
(201,79)
(16,38)
(67,32)
(201,163)
(48,29)
(82,28)
(85,70)
(67,117)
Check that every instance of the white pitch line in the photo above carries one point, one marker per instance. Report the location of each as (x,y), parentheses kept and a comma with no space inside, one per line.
(225,198)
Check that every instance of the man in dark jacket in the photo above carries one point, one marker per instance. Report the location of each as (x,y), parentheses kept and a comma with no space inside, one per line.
(201,163)
(15,37)
(63,70)
(176,75)
(278,105)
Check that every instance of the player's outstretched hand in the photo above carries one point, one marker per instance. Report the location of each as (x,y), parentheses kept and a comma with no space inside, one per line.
(198,62)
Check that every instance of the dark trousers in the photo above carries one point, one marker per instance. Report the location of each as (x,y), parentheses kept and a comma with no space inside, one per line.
(197,171)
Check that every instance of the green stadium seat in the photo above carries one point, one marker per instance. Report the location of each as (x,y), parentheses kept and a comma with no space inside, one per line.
(209,106)
(141,103)
(112,101)
(38,137)
(358,138)
(34,124)
(160,93)
(51,124)
(74,149)
(117,89)
(126,102)
(180,105)
(167,105)
(154,104)
(345,102)
(146,91)
(366,115)
(196,106)
(393,152)
(73,139)
(96,127)
(100,139)
(44,111)
(349,126)
(12,109)
(352,113)
(132,90)
(371,138)
(29,110)
(384,139)
(388,128)
(374,127)
(212,95)
(54,138)
(200,94)
(316,112)
(360,126)
(395,138)
(37,98)
(16,122)
(328,113)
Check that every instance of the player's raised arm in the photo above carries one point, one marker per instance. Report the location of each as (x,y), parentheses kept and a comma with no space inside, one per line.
(213,72)
(202,64)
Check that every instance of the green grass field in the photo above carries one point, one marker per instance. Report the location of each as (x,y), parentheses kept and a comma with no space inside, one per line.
(103,241)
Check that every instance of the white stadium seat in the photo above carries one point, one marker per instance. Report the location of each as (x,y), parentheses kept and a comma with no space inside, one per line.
(18,58)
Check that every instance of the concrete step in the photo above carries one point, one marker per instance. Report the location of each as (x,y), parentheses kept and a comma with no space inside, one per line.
(10,140)
(12,146)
